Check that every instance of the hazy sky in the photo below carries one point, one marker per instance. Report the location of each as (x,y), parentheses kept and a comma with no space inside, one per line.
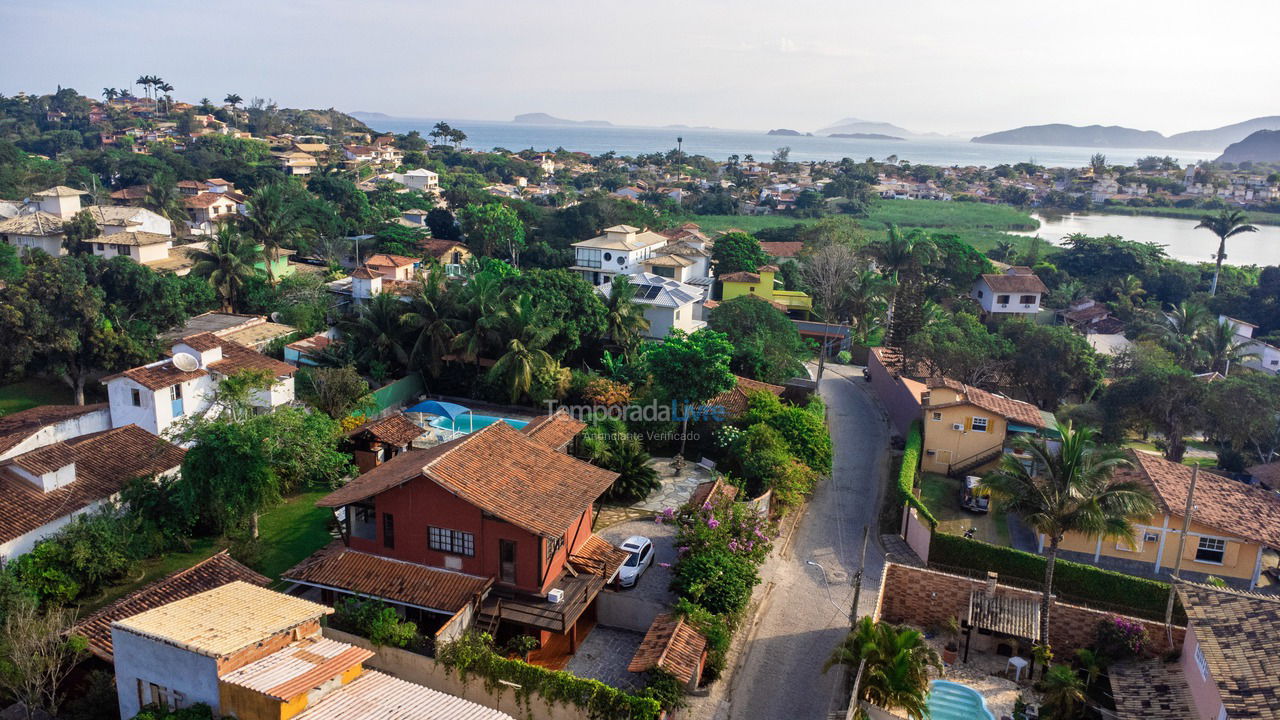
(927,65)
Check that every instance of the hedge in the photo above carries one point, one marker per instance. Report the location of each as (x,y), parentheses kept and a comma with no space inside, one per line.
(907,474)
(1072,581)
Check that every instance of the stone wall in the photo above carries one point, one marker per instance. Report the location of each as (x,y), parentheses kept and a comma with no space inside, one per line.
(926,598)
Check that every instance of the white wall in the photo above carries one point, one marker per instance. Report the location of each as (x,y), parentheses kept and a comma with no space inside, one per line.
(987,299)
(51,245)
(22,544)
(96,421)
(140,658)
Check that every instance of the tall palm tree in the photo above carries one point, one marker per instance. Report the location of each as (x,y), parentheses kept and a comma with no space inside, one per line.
(376,332)
(903,256)
(524,338)
(145,82)
(431,320)
(110,93)
(1068,490)
(227,263)
(898,661)
(1128,288)
(480,301)
(1179,331)
(1221,346)
(865,301)
(232,99)
(1227,223)
(624,317)
(274,218)
(1003,250)
(163,199)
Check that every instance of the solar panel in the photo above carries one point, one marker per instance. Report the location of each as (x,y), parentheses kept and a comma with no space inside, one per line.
(650,292)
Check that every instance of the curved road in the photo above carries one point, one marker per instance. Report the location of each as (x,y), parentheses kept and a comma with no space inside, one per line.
(806,612)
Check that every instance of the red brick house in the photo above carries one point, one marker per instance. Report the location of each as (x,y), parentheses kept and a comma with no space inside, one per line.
(493,528)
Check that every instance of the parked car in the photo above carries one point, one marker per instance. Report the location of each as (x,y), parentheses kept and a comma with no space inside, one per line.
(972,498)
(640,549)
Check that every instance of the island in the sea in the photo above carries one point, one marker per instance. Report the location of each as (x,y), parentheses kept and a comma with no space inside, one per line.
(1262,146)
(788,132)
(865,136)
(539,118)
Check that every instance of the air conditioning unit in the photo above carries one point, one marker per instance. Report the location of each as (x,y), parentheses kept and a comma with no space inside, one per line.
(957,426)
(555,596)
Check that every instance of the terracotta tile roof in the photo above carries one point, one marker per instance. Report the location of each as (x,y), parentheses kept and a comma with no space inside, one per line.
(783,249)
(387,260)
(36,224)
(201,341)
(1239,634)
(734,400)
(297,668)
(158,376)
(313,344)
(1015,283)
(105,462)
(713,491)
(338,567)
(1268,475)
(59,191)
(375,696)
(598,556)
(221,621)
(670,644)
(1007,408)
(208,574)
(395,430)
(436,248)
(1226,505)
(236,357)
(741,276)
(204,200)
(133,192)
(365,273)
(132,238)
(555,430)
(498,469)
(1150,689)
(16,427)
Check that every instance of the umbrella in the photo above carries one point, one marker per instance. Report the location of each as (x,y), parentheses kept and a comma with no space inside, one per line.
(446,409)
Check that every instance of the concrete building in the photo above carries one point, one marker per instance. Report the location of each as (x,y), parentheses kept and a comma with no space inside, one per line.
(1017,291)
(668,304)
(621,250)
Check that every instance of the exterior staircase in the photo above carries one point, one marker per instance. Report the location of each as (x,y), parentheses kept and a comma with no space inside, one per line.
(962,468)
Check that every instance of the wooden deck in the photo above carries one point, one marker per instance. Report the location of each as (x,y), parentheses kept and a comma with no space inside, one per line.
(559,648)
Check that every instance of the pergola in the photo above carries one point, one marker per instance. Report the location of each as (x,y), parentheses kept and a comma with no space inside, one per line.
(1001,613)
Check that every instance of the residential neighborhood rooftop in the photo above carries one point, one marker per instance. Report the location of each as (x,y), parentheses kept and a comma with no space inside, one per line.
(336,566)
(1239,634)
(1228,505)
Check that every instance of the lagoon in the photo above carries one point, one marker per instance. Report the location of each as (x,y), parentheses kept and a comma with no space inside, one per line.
(1181,239)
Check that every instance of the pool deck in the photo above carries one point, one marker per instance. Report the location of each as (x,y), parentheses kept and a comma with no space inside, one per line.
(984,673)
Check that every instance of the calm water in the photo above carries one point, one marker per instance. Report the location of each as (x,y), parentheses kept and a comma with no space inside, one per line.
(1180,237)
(720,144)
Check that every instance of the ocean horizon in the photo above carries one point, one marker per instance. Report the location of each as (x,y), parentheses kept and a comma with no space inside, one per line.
(719,144)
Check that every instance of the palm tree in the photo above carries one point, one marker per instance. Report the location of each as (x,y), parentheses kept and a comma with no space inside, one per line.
(110,93)
(903,257)
(166,88)
(432,321)
(145,82)
(524,336)
(164,200)
(1179,331)
(274,218)
(1092,664)
(1003,250)
(1225,224)
(1221,346)
(227,263)
(865,301)
(624,318)
(376,332)
(1063,694)
(898,661)
(480,300)
(232,99)
(1128,289)
(1070,490)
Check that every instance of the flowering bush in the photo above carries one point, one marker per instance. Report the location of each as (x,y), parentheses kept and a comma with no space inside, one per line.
(726,526)
(1120,638)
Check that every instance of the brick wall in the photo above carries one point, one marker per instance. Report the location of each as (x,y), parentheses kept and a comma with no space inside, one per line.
(267,646)
(926,598)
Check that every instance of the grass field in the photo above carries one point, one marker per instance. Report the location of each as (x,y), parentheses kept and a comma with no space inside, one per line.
(32,392)
(941,495)
(982,226)
(291,531)
(151,570)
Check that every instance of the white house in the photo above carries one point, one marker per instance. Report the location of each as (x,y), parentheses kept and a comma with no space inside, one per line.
(38,224)
(1267,356)
(154,396)
(668,304)
(621,250)
(418,179)
(1017,291)
(61,461)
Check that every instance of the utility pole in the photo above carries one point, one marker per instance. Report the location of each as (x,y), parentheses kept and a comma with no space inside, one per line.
(1182,544)
(857,576)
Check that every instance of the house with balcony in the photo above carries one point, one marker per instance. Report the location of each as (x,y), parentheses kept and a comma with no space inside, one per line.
(255,654)
(967,429)
(1016,291)
(38,223)
(1232,525)
(296,162)
(207,210)
(156,395)
(621,250)
(491,529)
(764,284)
(668,304)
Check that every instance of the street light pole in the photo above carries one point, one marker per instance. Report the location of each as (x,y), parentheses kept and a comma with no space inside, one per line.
(1182,544)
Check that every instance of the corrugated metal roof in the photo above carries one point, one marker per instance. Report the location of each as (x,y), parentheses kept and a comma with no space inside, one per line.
(298,668)
(374,696)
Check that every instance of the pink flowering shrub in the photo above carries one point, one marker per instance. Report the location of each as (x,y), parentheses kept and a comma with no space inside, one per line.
(727,526)
(1120,638)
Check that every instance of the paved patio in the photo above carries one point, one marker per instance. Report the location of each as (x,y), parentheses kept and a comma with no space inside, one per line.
(676,487)
(656,581)
(604,656)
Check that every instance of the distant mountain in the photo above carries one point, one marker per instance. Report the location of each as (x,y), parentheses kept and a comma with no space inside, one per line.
(545,119)
(365,115)
(865,136)
(854,125)
(1114,136)
(788,132)
(1260,147)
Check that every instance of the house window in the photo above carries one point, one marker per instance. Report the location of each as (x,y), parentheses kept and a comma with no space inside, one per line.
(150,693)
(1211,550)
(363,521)
(937,416)
(1202,663)
(451,541)
(388,530)
(101,247)
(1028,299)
(979,424)
(677,314)
(980,293)
(135,397)
(664,272)
(1002,299)
(608,257)
(1150,536)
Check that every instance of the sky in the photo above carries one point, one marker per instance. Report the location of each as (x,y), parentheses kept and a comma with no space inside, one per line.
(926,65)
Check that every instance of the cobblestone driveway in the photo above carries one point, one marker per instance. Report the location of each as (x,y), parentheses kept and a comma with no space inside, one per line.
(604,656)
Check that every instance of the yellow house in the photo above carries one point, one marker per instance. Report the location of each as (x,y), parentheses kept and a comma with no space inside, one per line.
(761,284)
(967,429)
(1231,525)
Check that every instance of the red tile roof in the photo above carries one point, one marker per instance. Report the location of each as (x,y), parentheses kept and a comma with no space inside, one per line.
(1007,408)
(16,427)
(741,276)
(202,342)
(499,470)
(387,260)
(158,376)
(237,357)
(105,462)
(713,491)
(1268,475)
(204,200)
(365,273)
(785,249)
(395,430)
(338,567)
(598,556)
(670,644)
(437,248)
(1227,505)
(734,400)
(208,574)
(1015,283)
(555,430)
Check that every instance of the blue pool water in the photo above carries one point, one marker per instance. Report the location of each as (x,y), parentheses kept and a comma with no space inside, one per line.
(469,423)
(953,701)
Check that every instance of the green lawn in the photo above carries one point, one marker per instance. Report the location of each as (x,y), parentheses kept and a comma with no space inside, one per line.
(32,392)
(151,570)
(1255,216)
(291,531)
(941,495)
(1209,462)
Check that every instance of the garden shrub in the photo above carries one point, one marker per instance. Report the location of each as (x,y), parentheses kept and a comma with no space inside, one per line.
(1122,639)
(907,475)
(803,429)
(374,620)
(83,556)
(716,579)
(726,526)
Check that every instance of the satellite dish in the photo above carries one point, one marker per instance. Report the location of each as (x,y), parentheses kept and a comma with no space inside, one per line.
(186,362)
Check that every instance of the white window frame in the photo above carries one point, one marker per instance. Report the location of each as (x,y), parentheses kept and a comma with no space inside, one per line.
(1200,545)
(937,416)
(973,424)
(1201,662)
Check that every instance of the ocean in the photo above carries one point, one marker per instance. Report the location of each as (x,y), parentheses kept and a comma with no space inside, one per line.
(720,144)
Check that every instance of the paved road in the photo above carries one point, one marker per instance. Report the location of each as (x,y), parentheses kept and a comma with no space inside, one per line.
(807,611)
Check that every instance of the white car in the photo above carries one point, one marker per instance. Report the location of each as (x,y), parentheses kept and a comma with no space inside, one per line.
(641,551)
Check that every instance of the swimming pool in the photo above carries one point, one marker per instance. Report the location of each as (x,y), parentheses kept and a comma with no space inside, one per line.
(953,701)
(470,423)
